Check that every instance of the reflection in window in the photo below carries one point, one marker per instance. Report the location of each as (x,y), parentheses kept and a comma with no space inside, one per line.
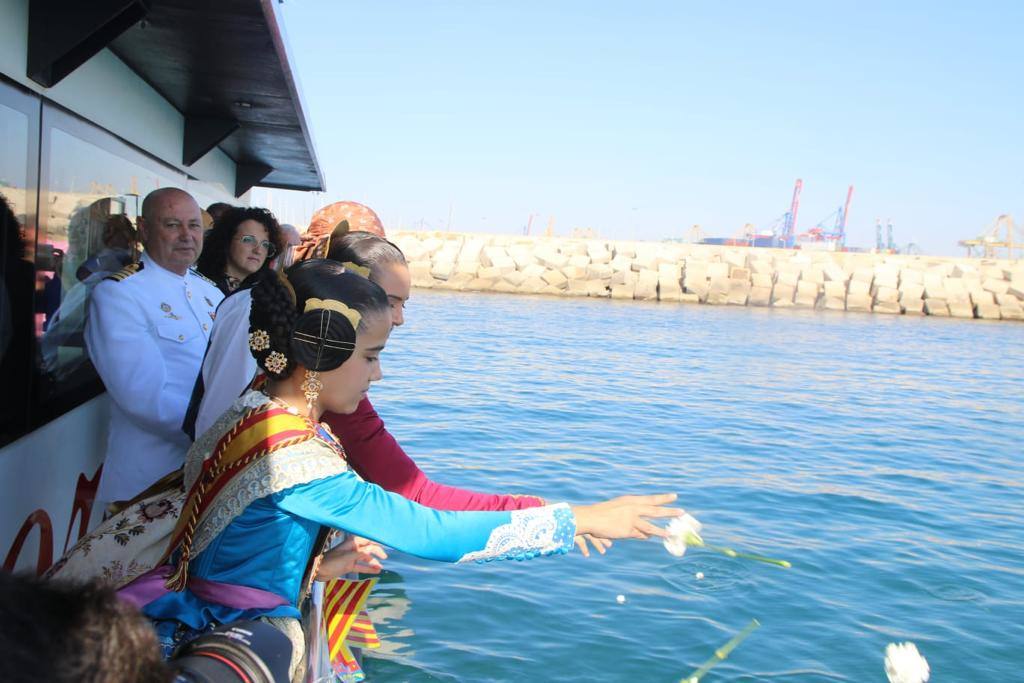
(91,201)
(17,275)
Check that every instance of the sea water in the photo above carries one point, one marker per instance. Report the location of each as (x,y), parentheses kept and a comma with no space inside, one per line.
(881,455)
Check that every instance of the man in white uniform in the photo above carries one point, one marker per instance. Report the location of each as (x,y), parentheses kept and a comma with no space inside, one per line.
(146,334)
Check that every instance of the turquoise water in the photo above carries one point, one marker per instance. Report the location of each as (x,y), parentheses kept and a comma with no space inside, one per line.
(882,455)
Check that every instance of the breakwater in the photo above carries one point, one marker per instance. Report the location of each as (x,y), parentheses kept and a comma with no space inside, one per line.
(990,289)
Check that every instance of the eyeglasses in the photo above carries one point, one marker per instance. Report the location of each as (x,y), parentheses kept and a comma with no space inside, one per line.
(251,241)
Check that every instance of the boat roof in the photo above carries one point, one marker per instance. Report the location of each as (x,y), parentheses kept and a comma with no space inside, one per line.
(228,61)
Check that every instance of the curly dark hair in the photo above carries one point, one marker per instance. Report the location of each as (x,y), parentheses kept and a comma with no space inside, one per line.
(277,309)
(217,243)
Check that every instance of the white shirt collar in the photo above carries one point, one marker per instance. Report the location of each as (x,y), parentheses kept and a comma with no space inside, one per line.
(151,264)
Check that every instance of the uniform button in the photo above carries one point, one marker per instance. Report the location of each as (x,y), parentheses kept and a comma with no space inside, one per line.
(181,337)
(204,328)
(188,294)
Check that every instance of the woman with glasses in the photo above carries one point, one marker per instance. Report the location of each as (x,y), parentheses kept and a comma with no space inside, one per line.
(243,241)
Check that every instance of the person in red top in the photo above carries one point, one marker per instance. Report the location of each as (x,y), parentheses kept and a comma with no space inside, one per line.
(371,450)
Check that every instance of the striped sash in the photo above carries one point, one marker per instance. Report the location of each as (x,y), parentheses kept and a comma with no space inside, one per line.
(347,623)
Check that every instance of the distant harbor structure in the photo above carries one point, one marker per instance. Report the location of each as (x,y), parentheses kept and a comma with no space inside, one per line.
(724,274)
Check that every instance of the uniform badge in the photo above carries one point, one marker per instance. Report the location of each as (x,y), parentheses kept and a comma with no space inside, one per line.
(168,313)
(208,302)
(212,314)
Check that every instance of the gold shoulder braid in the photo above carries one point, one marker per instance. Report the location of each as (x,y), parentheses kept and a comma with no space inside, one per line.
(202,277)
(125,272)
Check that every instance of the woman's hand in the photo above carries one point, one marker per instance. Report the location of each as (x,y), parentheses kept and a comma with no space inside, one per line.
(625,516)
(600,544)
(354,555)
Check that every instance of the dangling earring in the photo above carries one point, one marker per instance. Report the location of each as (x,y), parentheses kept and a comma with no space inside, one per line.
(311,387)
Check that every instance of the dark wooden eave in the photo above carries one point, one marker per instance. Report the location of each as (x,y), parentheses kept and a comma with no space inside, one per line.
(224,65)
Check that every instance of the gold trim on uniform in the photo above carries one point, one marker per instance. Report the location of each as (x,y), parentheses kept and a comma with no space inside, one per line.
(125,272)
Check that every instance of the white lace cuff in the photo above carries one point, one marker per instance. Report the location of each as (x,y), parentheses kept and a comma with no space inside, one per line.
(531,532)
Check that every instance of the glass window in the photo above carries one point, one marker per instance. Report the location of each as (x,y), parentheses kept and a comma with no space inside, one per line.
(93,185)
(19,130)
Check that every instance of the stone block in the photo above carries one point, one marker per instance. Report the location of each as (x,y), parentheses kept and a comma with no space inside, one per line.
(621,263)
(579,261)
(624,277)
(982,298)
(522,257)
(533,270)
(761,266)
(913,306)
(860,303)
(936,307)
(599,271)
(574,248)
(859,288)
(806,294)
(960,308)
(887,294)
(890,307)
(515,277)
(834,303)
(623,291)
(689,298)
(670,293)
(490,273)
(504,286)
(991,273)
(910,276)
(1006,298)
(718,270)
(554,260)
(575,272)
(646,291)
(760,296)
(962,269)
(488,255)
(419,271)
(938,292)
(911,292)
(761,279)
(739,290)
(1011,311)
(597,288)
(555,278)
(736,273)
(442,270)
(735,259)
(787,278)
(814,275)
(954,285)
(782,295)
(995,286)
(987,311)
(718,290)
(532,285)
(1016,288)
(481,284)
(577,287)
(598,253)
(551,289)
(833,273)
(835,289)
(934,281)
(863,275)
(670,271)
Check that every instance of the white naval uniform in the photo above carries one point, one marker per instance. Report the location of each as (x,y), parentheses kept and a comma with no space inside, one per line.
(146,335)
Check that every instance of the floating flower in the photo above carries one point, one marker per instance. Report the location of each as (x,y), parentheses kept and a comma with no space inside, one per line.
(682,531)
(904,664)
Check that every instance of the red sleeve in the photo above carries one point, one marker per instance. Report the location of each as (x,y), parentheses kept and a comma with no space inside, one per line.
(375,455)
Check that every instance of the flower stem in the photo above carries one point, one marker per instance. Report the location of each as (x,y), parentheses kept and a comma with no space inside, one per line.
(721,653)
(699,542)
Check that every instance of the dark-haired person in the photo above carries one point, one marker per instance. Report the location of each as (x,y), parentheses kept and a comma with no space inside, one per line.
(73,633)
(268,478)
(229,368)
(217,209)
(242,242)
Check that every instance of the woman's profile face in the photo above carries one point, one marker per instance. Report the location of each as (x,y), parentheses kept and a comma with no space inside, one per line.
(347,385)
(248,249)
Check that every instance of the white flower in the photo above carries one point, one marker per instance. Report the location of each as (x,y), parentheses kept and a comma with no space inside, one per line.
(904,664)
(682,531)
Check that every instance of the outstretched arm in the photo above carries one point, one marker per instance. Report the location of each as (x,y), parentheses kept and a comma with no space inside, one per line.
(377,457)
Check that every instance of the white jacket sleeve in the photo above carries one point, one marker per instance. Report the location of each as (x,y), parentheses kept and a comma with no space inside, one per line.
(228,367)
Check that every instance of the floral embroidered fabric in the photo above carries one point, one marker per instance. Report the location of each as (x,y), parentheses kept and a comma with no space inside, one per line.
(535,531)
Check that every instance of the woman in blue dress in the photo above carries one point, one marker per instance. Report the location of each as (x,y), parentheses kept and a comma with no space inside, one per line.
(266,483)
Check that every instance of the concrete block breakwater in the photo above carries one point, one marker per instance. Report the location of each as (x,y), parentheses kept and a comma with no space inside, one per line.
(991,289)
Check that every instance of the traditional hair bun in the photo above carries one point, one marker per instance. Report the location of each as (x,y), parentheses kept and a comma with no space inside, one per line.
(322,340)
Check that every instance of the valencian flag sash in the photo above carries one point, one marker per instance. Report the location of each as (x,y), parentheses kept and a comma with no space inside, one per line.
(343,608)
(260,431)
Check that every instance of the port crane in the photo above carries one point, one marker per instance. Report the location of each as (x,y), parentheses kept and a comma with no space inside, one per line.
(837,235)
(989,242)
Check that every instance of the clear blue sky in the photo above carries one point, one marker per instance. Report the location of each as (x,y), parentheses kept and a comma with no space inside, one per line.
(645,118)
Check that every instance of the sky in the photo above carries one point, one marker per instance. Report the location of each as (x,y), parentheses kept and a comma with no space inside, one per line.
(640,120)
